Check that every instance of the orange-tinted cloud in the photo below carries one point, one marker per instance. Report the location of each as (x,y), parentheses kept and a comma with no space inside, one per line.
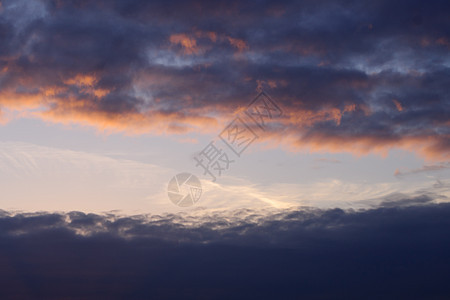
(208,34)
(241,45)
(119,70)
(429,147)
(443,41)
(189,44)
(398,105)
(131,123)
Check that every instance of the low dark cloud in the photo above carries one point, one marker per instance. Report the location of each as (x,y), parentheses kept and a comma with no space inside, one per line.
(390,253)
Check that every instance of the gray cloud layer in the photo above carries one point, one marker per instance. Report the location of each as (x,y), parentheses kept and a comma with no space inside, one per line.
(387,253)
(371,73)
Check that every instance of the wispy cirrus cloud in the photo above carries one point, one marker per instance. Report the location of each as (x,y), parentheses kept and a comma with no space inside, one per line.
(423,169)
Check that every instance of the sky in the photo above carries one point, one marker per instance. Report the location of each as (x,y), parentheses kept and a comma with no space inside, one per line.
(331,126)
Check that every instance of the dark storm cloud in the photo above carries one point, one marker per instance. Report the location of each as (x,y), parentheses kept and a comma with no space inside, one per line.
(364,72)
(390,252)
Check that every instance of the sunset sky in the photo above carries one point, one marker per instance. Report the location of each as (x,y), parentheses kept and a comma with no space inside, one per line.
(103,102)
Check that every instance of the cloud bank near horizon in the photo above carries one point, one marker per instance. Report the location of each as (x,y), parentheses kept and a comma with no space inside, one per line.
(239,254)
